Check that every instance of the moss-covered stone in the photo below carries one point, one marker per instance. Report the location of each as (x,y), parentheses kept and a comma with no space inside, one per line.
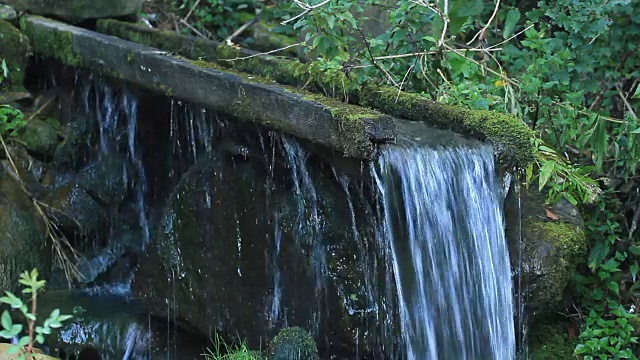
(56,44)
(546,243)
(510,137)
(559,248)
(40,138)
(15,51)
(550,341)
(293,343)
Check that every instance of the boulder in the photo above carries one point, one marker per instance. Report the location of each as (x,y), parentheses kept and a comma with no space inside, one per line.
(79,134)
(209,251)
(78,10)
(23,234)
(553,242)
(14,51)
(551,341)
(106,180)
(7,12)
(73,209)
(40,138)
(227,233)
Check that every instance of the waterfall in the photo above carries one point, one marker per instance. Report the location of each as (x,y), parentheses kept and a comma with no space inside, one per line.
(444,226)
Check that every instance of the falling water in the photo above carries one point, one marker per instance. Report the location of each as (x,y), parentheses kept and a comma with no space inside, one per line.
(443,221)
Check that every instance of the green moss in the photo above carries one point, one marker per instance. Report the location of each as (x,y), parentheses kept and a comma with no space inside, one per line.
(510,137)
(293,343)
(568,249)
(14,50)
(550,341)
(56,44)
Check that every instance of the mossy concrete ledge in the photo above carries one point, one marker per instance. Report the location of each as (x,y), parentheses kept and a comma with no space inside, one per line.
(510,137)
(348,129)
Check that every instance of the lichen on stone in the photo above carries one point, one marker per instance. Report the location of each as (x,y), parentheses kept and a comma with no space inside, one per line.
(550,341)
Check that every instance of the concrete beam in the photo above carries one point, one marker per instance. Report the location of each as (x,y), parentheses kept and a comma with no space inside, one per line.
(351,130)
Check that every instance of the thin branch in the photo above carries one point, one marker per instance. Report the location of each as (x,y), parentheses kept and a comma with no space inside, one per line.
(195,5)
(510,38)
(264,53)
(242,28)
(480,34)
(455,51)
(445,20)
(307,8)
(398,56)
(193,29)
(626,103)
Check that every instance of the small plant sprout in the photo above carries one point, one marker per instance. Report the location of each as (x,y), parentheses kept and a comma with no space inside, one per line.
(35,334)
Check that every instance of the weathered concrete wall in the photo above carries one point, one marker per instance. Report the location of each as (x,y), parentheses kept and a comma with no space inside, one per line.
(510,137)
(349,129)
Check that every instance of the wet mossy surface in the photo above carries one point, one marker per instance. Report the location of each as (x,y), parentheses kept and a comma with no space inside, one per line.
(550,341)
(14,50)
(510,137)
(57,44)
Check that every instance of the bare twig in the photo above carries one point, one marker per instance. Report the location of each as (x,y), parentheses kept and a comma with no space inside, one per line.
(445,20)
(480,34)
(195,5)
(510,38)
(306,7)
(193,29)
(626,103)
(242,28)
(398,56)
(264,53)
(457,52)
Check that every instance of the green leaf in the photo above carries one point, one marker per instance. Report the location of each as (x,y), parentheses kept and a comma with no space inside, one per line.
(570,198)
(635,249)
(613,286)
(5,69)
(465,8)
(633,268)
(513,16)
(6,320)
(636,94)
(24,341)
(14,349)
(545,174)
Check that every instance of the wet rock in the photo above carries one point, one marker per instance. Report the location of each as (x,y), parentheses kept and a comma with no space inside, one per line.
(106,180)
(209,252)
(78,135)
(29,167)
(114,326)
(293,344)
(73,209)
(553,243)
(15,51)
(40,138)
(23,234)
(7,12)
(78,10)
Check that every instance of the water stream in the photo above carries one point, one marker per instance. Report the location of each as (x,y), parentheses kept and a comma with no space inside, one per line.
(400,258)
(443,221)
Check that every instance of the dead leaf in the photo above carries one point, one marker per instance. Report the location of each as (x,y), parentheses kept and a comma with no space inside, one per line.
(551,215)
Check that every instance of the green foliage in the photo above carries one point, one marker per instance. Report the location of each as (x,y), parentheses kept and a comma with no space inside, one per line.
(223,351)
(568,68)
(11,121)
(216,18)
(35,334)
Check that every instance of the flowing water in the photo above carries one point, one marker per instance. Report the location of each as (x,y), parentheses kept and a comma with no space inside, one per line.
(443,221)
(402,258)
